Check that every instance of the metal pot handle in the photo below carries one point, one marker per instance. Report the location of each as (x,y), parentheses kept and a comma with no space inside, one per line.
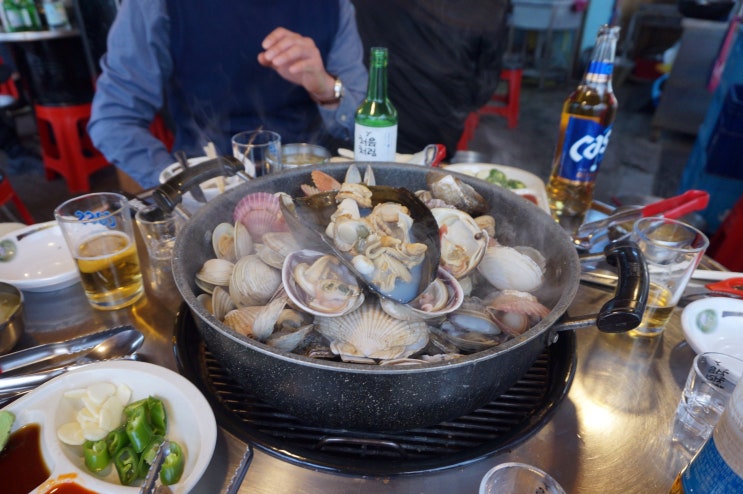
(624,311)
(169,195)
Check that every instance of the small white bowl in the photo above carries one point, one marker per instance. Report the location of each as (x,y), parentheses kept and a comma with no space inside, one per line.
(714,324)
(191,421)
(534,191)
(42,262)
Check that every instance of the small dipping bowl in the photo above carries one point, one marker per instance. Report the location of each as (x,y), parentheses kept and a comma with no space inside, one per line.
(301,154)
(11,316)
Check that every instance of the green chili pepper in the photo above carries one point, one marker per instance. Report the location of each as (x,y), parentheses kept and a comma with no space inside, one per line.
(134,406)
(96,455)
(126,461)
(158,418)
(148,455)
(173,465)
(116,439)
(138,429)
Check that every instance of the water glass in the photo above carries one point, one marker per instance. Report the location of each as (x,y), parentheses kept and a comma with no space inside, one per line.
(99,233)
(710,383)
(258,150)
(518,478)
(158,230)
(672,250)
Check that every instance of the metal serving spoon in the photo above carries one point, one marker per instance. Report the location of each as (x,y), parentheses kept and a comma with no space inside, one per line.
(120,345)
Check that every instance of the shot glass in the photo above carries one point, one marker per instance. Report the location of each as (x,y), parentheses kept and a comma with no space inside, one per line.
(672,250)
(518,478)
(158,230)
(258,150)
(99,233)
(710,383)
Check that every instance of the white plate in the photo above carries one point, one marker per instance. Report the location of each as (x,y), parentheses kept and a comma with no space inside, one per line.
(191,421)
(210,187)
(708,329)
(534,185)
(42,262)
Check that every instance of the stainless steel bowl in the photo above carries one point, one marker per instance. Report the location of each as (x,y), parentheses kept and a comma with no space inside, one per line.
(11,316)
(301,154)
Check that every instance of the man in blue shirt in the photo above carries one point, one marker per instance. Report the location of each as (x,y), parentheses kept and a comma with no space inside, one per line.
(221,68)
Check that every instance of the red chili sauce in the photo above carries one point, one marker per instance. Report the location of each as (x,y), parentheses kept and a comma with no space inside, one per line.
(22,455)
(68,488)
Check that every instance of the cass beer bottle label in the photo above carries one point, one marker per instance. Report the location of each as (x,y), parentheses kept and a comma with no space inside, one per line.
(583,149)
(374,143)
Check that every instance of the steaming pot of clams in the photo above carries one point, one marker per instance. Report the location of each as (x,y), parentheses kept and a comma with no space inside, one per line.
(382,297)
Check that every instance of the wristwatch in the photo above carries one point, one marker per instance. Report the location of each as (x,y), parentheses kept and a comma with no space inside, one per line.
(337,93)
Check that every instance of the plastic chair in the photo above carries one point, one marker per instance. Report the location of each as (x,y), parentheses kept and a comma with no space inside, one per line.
(66,146)
(7,193)
(505,104)
(725,244)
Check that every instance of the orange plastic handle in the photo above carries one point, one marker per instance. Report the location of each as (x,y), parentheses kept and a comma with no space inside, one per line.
(733,286)
(676,207)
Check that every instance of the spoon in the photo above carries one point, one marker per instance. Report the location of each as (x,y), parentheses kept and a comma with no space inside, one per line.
(120,345)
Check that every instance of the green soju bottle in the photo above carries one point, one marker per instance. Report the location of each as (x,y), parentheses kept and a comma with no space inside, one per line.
(375,132)
(13,18)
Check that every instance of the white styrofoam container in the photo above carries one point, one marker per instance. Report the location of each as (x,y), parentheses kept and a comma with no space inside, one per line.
(543,14)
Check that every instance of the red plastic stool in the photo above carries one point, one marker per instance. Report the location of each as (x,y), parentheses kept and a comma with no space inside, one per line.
(726,245)
(7,193)
(505,104)
(66,146)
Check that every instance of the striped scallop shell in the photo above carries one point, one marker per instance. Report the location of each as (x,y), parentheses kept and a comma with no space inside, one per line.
(260,213)
(370,333)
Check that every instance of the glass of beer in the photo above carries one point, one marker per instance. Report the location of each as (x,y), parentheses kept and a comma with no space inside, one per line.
(99,232)
(672,251)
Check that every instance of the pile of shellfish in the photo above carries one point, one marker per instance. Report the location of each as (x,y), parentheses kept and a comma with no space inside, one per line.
(272,285)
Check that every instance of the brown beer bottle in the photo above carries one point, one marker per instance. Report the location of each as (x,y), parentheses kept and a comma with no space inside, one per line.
(718,467)
(585,126)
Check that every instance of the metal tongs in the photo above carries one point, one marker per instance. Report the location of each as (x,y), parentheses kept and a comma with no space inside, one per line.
(673,208)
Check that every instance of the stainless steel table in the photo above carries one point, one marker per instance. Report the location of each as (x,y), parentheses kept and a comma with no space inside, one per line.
(610,435)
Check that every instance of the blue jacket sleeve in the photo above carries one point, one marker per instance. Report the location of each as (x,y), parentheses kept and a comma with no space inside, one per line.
(130,91)
(343,61)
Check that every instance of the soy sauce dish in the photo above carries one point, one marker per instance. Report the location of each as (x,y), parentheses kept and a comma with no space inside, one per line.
(60,468)
(714,324)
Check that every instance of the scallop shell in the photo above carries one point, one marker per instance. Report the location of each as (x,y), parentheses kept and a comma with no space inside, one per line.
(253,282)
(327,288)
(508,269)
(260,213)
(443,295)
(369,333)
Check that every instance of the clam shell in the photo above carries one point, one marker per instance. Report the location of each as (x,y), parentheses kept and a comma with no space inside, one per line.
(214,272)
(221,302)
(336,291)
(508,269)
(276,246)
(444,295)
(463,241)
(253,282)
(370,333)
(223,241)
(456,193)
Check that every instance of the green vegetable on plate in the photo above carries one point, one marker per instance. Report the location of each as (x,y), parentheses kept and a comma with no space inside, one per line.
(6,422)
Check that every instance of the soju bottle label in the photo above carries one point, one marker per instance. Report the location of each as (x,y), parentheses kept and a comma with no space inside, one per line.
(374,143)
(583,149)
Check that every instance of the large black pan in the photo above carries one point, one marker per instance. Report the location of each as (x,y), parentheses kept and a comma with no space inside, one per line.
(363,397)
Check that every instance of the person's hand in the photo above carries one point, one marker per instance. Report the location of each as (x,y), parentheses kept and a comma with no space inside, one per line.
(297,59)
